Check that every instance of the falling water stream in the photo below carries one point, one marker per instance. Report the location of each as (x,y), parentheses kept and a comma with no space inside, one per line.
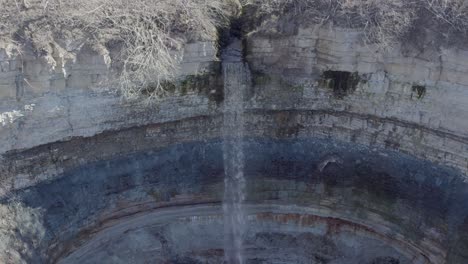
(236,79)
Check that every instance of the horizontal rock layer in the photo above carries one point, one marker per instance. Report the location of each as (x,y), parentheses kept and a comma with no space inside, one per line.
(276,234)
(407,204)
(381,163)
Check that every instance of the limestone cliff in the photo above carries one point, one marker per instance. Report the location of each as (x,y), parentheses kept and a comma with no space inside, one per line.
(364,143)
(415,102)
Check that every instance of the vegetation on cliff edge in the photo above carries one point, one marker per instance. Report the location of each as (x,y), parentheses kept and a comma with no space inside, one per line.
(145,35)
(384,22)
(148,34)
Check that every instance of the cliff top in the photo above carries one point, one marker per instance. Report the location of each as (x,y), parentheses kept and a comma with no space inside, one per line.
(385,22)
(139,36)
(142,37)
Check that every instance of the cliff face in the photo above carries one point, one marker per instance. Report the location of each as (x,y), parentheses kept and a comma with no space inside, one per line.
(414,101)
(60,99)
(345,141)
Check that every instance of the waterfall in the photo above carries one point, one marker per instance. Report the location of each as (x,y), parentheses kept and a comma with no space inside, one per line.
(236,79)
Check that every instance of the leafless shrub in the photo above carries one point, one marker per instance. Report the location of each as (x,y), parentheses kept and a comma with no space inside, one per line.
(21,232)
(149,32)
(451,12)
(385,22)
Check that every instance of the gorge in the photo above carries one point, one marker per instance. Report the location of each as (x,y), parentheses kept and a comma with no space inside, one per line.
(299,143)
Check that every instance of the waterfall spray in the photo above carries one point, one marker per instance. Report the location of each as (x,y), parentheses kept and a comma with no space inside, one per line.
(236,79)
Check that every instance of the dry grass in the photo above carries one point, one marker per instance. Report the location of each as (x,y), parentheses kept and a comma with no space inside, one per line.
(21,232)
(451,12)
(385,22)
(147,33)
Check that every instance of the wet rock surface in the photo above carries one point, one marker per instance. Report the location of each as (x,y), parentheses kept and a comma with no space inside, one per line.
(372,206)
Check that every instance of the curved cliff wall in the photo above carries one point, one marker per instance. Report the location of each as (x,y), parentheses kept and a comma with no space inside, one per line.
(342,141)
(415,103)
